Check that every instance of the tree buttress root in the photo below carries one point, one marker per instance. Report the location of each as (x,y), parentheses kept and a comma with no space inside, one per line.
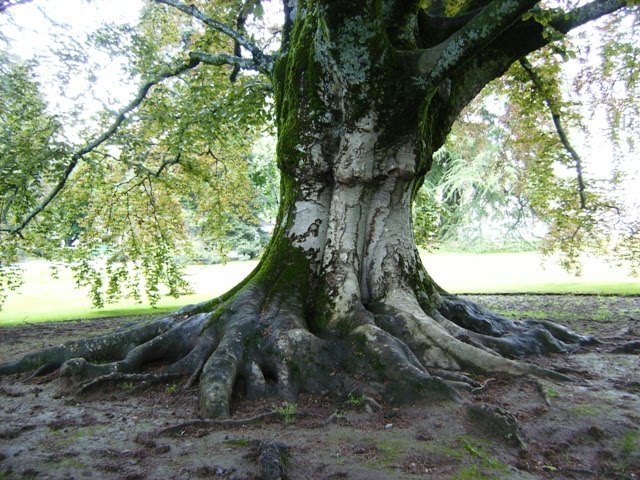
(263,347)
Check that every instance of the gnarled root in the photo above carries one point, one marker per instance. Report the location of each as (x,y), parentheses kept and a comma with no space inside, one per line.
(257,346)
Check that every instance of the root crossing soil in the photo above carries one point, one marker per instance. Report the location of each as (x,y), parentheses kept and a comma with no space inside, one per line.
(513,429)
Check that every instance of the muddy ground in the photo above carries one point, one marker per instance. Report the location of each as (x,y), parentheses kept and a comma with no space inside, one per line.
(588,428)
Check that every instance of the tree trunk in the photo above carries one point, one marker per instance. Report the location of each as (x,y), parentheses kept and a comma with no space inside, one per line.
(340,300)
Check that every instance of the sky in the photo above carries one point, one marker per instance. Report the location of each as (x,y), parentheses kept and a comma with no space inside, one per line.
(33,30)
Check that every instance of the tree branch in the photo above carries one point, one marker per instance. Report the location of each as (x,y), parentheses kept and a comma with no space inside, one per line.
(433,65)
(243,15)
(219,59)
(99,140)
(262,60)
(6,4)
(587,13)
(557,122)
(513,43)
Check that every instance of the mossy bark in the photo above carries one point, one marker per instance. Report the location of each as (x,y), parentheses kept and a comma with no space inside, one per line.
(340,299)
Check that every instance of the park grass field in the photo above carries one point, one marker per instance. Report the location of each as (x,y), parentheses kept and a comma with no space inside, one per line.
(43,298)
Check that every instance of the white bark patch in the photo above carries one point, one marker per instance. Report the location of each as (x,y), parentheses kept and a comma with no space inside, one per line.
(401,164)
(309,227)
(355,161)
(390,253)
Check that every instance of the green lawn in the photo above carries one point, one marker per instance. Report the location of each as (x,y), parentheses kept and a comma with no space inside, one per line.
(526,273)
(43,298)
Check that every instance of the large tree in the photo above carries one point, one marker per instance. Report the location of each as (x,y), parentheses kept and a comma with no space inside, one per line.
(365,92)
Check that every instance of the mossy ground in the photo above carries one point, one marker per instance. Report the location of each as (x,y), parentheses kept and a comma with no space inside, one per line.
(590,428)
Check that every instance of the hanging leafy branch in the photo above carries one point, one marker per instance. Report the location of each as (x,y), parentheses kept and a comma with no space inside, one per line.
(168,165)
(556,116)
(263,62)
(94,144)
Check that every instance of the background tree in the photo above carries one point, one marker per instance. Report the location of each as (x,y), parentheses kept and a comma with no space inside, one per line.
(364,94)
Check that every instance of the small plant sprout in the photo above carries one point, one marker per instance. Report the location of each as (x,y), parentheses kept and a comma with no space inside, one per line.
(286,411)
(355,400)
(172,389)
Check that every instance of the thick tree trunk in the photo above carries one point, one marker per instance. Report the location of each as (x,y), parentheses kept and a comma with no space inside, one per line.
(340,299)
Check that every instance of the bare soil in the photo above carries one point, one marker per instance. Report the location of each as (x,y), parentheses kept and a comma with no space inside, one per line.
(586,428)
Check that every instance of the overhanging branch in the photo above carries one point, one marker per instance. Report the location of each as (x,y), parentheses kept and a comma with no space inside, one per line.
(587,13)
(99,140)
(433,65)
(520,39)
(262,60)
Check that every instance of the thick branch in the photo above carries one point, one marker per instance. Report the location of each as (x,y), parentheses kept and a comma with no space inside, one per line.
(435,64)
(99,140)
(557,122)
(587,13)
(515,42)
(264,61)
(243,15)
(435,28)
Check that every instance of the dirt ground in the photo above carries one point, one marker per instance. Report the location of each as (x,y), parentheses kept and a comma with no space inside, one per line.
(587,428)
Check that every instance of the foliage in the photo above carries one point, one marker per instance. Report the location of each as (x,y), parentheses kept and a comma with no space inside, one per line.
(132,205)
(471,194)
(355,400)
(506,166)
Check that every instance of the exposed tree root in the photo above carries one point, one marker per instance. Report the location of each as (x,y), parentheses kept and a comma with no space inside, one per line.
(202,423)
(632,347)
(145,379)
(262,347)
(272,460)
(179,429)
(498,422)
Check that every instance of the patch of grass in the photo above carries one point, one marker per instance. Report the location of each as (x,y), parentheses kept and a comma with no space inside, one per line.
(43,298)
(356,401)
(472,472)
(67,463)
(287,411)
(446,450)
(477,452)
(172,389)
(525,272)
(630,443)
(584,410)
(239,442)
(391,451)
(531,314)
(46,299)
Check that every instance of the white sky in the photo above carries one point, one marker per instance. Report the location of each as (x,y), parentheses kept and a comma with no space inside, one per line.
(32,29)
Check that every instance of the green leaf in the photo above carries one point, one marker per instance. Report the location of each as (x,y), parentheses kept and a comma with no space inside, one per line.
(258,10)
